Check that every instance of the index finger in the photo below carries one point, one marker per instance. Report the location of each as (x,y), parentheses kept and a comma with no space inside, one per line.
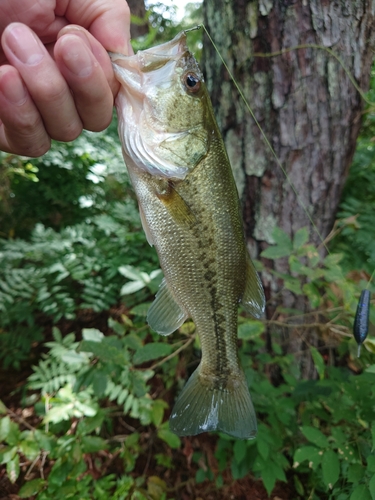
(107,21)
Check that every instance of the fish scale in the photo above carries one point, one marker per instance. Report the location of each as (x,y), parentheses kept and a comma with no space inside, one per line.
(191,212)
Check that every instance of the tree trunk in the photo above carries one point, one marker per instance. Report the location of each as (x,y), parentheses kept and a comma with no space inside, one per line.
(304,101)
(138,9)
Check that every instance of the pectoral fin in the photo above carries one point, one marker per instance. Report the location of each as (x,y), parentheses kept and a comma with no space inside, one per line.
(176,205)
(165,315)
(253,299)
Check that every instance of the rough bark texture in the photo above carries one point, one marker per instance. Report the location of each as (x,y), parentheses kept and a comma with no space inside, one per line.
(137,8)
(303,99)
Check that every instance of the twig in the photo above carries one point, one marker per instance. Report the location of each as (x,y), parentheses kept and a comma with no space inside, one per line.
(20,419)
(126,425)
(173,354)
(150,444)
(31,467)
(322,326)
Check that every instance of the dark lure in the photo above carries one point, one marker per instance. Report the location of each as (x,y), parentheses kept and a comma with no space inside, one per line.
(361,320)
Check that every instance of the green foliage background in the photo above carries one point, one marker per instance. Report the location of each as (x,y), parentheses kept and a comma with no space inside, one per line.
(72,248)
(355,226)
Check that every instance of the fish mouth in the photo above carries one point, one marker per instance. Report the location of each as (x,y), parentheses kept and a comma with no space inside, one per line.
(167,49)
(136,67)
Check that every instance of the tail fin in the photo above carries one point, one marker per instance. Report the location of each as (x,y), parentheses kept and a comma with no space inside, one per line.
(202,407)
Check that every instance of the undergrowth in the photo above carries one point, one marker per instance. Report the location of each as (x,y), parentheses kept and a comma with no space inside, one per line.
(318,435)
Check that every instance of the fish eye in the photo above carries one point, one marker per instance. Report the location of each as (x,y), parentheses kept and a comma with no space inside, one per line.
(192,82)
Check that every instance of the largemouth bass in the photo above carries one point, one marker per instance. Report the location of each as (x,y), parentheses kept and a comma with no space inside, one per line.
(190,211)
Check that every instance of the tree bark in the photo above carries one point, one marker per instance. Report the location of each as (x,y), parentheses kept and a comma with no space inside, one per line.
(138,9)
(304,101)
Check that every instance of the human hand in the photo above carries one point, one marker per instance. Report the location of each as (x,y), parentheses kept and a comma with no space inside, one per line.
(55,76)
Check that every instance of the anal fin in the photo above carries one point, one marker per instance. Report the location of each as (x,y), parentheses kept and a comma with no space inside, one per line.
(165,315)
(253,299)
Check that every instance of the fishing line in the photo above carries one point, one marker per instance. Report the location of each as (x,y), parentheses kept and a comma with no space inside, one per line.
(361,320)
(266,140)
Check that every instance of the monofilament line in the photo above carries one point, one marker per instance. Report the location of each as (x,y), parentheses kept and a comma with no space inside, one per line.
(265,138)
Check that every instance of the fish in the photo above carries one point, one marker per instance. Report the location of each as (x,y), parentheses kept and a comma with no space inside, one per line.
(190,212)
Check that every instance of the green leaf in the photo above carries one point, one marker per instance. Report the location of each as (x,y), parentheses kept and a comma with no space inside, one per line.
(200,476)
(132,287)
(310,453)
(250,329)
(293,284)
(318,362)
(133,341)
(99,383)
(313,294)
(263,448)
(92,334)
(330,468)
(7,454)
(57,334)
(92,444)
(13,436)
(74,358)
(268,477)
(131,273)
(59,472)
(355,473)
(276,252)
(13,468)
(239,450)
(298,485)
(4,428)
(140,309)
(332,259)
(171,439)
(105,352)
(296,265)
(156,487)
(32,488)
(157,412)
(282,238)
(3,409)
(151,351)
(315,436)
(361,492)
(371,486)
(44,441)
(371,463)
(300,238)
(90,424)
(29,448)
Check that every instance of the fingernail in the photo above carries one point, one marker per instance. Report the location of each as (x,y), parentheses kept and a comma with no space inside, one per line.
(24,44)
(13,90)
(77,57)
